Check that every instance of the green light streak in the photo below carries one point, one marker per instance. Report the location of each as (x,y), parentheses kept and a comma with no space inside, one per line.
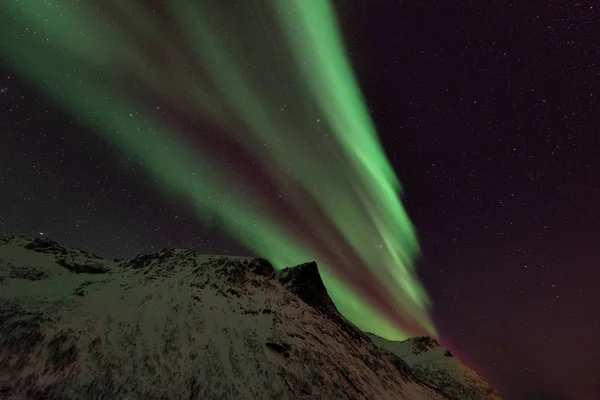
(280,72)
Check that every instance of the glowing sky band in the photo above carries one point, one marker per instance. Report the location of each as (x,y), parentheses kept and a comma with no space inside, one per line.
(286,154)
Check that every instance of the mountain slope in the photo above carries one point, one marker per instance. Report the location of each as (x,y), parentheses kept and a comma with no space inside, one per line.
(176,324)
(435,365)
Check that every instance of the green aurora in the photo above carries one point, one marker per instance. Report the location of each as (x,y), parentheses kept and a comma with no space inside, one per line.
(272,78)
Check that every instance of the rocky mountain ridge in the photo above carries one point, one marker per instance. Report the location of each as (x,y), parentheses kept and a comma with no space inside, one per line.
(177,324)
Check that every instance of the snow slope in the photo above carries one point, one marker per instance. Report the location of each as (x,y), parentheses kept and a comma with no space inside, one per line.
(435,365)
(176,324)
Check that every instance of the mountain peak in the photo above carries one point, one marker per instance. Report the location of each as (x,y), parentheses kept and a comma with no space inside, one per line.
(435,365)
(305,281)
(177,324)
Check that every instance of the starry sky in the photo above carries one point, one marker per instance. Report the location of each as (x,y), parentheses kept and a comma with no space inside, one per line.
(489,113)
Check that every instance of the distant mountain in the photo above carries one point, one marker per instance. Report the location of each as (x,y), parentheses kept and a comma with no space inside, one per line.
(435,365)
(179,325)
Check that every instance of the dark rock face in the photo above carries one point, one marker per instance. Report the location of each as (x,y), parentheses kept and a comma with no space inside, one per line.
(305,282)
(262,267)
(147,260)
(49,246)
(20,331)
(42,245)
(29,273)
(424,343)
(283,348)
(87,268)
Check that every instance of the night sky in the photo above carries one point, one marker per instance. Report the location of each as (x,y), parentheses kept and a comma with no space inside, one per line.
(490,114)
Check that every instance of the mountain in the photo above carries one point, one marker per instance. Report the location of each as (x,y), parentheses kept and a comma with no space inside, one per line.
(434,364)
(179,325)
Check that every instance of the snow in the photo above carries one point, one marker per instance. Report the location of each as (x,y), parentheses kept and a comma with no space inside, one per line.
(176,324)
(435,365)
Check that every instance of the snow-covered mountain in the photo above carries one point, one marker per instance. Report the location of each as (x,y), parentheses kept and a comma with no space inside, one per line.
(435,365)
(179,325)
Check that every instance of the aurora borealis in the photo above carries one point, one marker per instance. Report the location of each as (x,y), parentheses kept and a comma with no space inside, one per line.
(297,170)
(487,112)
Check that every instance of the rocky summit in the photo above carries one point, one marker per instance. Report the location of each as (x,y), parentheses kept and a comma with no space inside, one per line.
(179,325)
